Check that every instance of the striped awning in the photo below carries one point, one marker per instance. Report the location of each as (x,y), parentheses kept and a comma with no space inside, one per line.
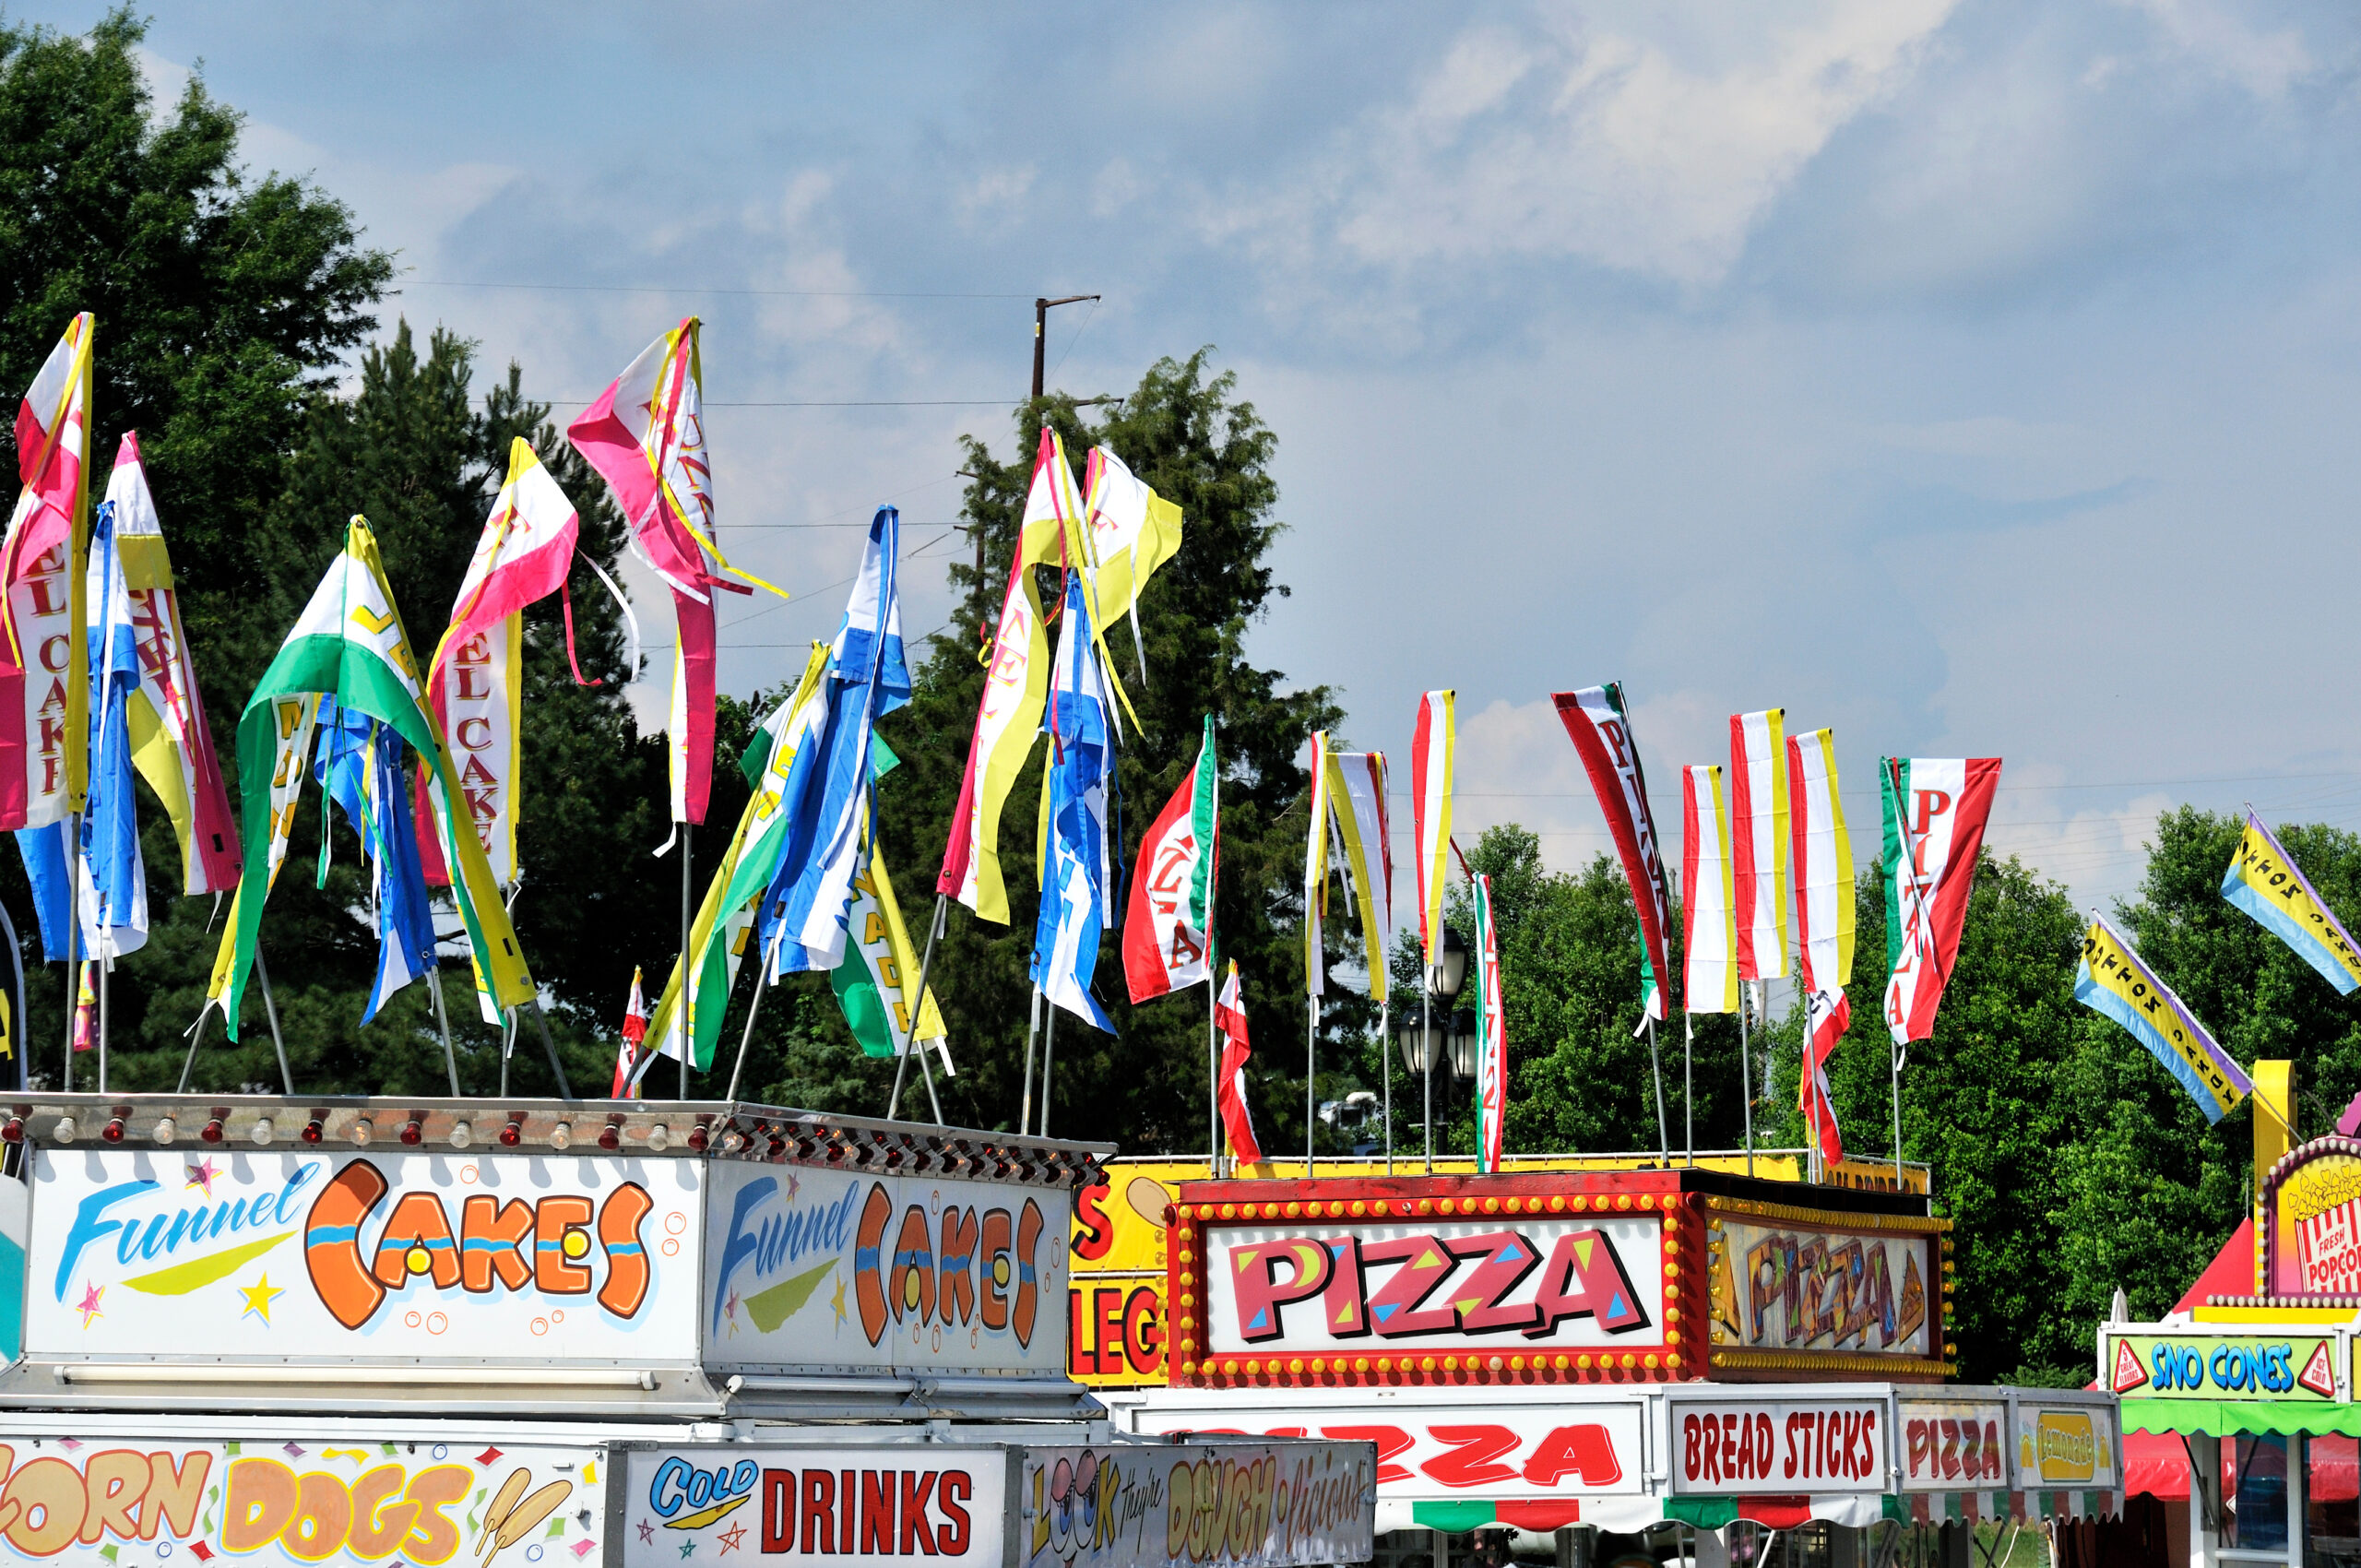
(1628,1516)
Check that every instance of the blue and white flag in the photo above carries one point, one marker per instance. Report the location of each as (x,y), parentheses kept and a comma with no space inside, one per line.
(112,880)
(1077,868)
(802,921)
(358,765)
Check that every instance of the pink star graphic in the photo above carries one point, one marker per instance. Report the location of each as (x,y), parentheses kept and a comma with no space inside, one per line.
(646,1531)
(729,1307)
(731,1536)
(201,1175)
(89,1305)
(793,1183)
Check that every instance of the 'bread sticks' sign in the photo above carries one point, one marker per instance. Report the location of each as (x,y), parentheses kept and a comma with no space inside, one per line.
(278,1254)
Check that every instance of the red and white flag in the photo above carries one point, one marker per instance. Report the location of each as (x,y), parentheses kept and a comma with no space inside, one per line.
(1934,812)
(645,436)
(1759,841)
(1231,1013)
(1170,929)
(1432,744)
(1826,1017)
(45,715)
(1596,719)
(475,682)
(1823,862)
(634,1030)
(173,745)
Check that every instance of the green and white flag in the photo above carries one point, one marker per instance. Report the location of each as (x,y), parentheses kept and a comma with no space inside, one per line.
(1167,931)
(348,644)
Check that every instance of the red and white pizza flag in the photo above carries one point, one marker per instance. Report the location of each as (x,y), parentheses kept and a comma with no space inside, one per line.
(1826,1017)
(1934,812)
(1596,719)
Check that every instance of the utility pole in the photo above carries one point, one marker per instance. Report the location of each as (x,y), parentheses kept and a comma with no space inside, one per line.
(1041,309)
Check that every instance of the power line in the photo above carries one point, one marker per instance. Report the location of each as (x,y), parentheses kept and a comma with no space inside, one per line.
(692,289)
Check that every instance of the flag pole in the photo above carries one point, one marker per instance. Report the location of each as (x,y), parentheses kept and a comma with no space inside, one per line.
(1049,1058)
(926,967)
(73,936)
(196,1038)
(1426,1048)
(1897,1054)
(106,967)
(1310,1078)
(442,1022)
(1655,1070)
(1688,1081)
(1745,1080)
(1032,1030)
(1213,1048)
(1386,1060)
(17,1026)
(271,1011)
(564,1089)
(507,1047)
(688,1049)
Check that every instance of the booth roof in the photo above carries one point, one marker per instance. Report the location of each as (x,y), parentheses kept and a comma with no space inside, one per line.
(2230,1274)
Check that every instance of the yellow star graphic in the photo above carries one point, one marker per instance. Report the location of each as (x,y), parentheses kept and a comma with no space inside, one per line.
(840,1302)
(259,1295)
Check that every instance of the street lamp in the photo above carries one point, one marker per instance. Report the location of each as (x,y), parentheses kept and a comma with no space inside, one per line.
(1463,1044)
(1423,1041)
(1449,974)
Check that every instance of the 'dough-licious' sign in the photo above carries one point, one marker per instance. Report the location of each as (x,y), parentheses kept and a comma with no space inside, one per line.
(282,1504)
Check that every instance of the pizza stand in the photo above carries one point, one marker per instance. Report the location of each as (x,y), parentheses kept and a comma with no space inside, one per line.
(1614,1348)
(2242,1398)
(544,1333)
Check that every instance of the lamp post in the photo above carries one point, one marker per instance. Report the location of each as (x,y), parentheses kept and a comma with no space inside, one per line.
(1422,1043)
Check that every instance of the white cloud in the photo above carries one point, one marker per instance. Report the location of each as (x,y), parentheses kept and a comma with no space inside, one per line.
(2265,64)
(1581,137)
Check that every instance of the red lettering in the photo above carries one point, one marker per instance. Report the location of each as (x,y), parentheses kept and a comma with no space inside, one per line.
(1584,1451)
(1142,1332)
(955,1488)
(1933,803)
(49,596)
(916,1490)
(819,1511)
(481,804)
(778,1510)
(474,685)
(1474,1452)
(1106,1326)
(473,732)
(876,1513)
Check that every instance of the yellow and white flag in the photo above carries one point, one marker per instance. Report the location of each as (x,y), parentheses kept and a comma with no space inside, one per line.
(1823,859)
(1759,828)
(1431,747)
(1708,924)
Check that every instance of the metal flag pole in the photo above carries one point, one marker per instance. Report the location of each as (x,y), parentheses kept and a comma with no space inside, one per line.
(271,1011)
(105,967)
(18,1026)
(73,936)
(541,1021)
(1688,1084)
(1032,1030)
(1048,1057)
(1655,1070)
(1213,1046)
(196,1038)
(1933,949)
(1426,1055)
(688,836)
(1385,1061)
(507,1047)
(926,967)
(1311,1080)
(1898,1054)
(1745,1080)
(442,1022)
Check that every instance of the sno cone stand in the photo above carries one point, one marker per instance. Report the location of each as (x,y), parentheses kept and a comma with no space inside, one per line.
(2241,1399)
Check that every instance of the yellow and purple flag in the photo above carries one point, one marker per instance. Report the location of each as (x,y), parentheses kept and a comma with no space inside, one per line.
(2113,981)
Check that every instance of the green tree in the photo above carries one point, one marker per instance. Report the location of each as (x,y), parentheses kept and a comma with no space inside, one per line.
(221,303)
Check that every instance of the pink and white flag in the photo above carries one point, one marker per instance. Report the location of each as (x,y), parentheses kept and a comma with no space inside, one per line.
(44,692)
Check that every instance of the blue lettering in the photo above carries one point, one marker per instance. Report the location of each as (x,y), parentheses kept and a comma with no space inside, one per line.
(667,1475)
(304,1173)
(743,1478)
(737,1249)
(89,1227)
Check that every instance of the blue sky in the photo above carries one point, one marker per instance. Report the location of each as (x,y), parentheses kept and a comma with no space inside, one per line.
(1972,377)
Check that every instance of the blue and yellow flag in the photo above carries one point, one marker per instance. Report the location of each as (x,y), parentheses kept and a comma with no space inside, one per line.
(2265,883)
(2116,982)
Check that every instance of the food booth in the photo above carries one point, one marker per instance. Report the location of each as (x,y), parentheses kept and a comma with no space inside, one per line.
(2241,1399)
(541,1333)
(1578,1351)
